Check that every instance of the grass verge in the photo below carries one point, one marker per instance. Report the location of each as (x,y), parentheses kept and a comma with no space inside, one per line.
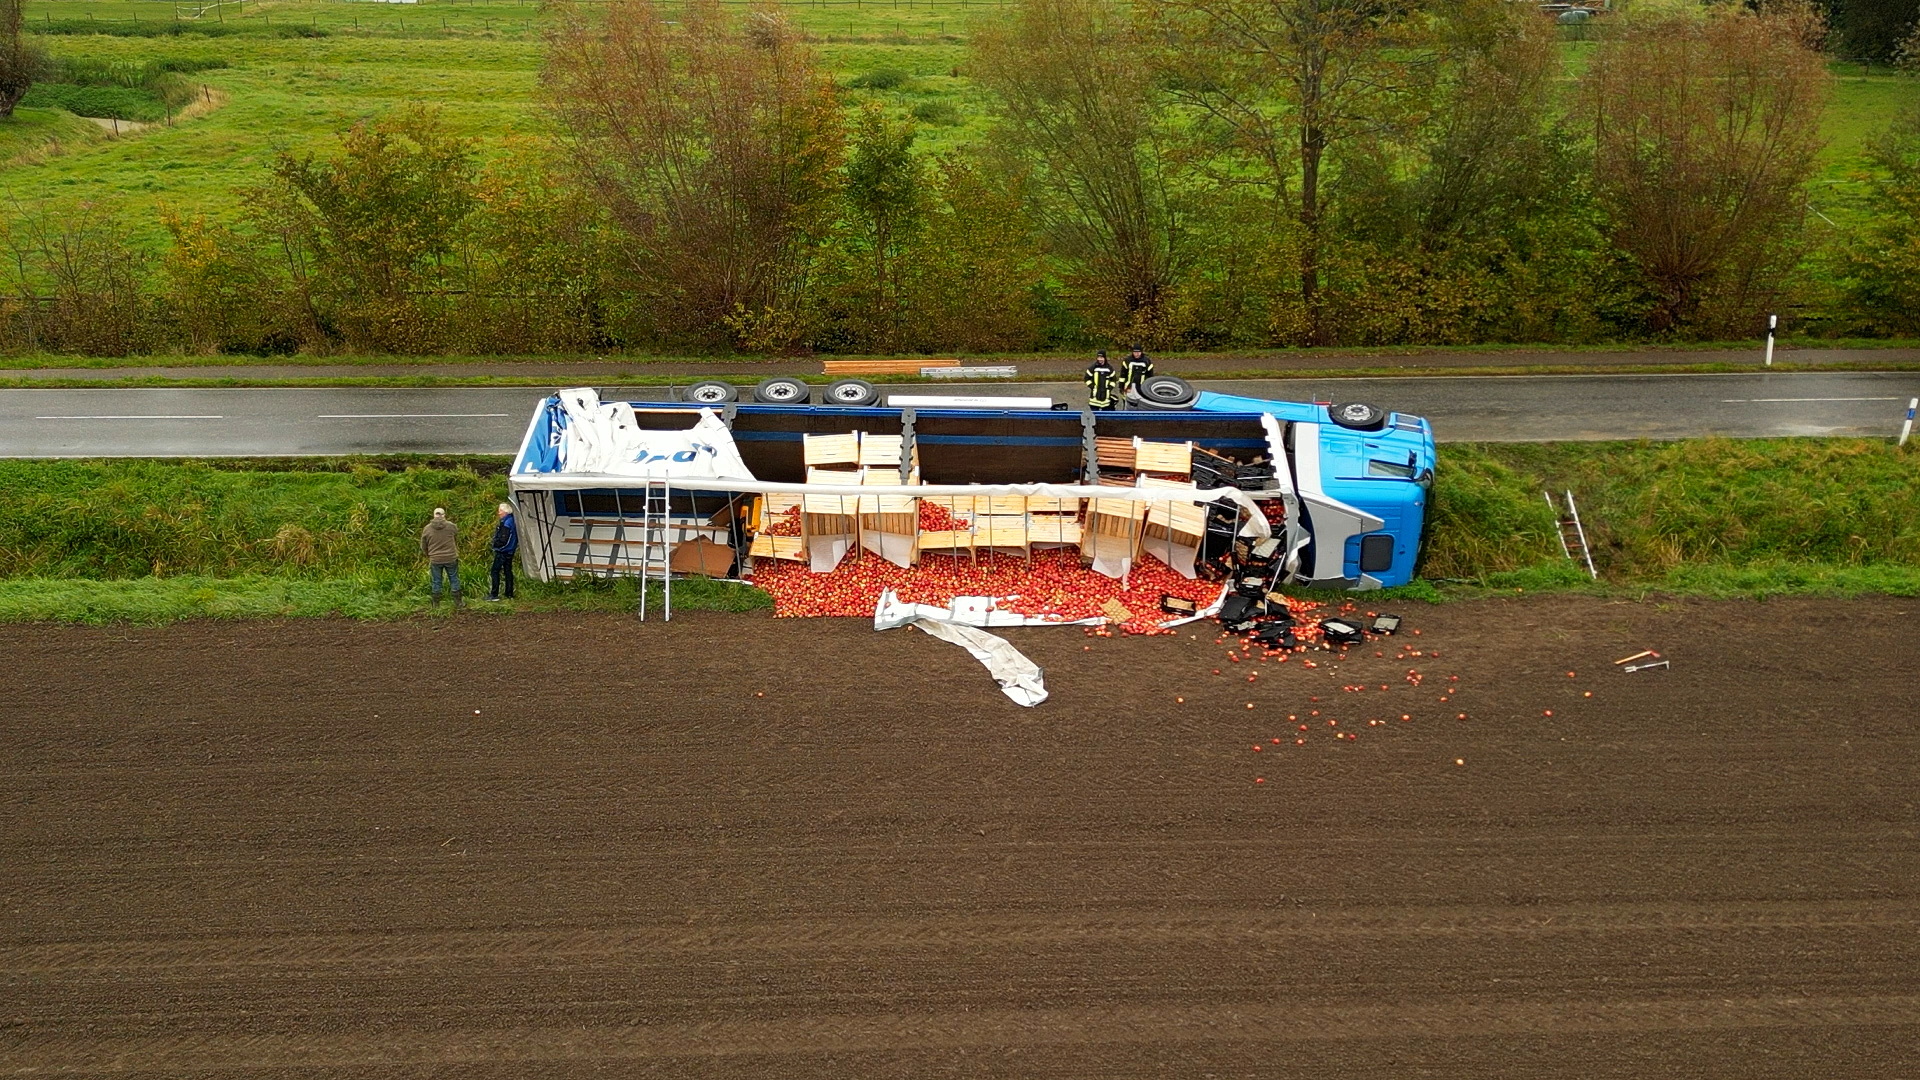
(369,596)
(150,541)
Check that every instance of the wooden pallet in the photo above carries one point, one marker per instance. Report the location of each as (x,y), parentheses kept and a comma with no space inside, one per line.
(884,367)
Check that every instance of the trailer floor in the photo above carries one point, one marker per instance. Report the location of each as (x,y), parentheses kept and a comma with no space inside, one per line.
(567,846)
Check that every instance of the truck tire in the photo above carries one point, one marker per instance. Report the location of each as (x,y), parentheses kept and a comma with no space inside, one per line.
(782,390)
(1165,392)
(852,393)
(1358,416)
(711,392)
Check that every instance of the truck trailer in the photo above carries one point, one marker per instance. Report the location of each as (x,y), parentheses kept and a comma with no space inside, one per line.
(700,485)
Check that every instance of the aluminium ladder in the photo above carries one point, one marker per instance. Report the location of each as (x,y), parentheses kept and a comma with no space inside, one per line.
(656,546)
(1573,535)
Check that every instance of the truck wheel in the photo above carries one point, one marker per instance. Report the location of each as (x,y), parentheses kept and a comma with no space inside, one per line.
(1359,416)
(1165,392)
(782,390)
(853,393)
(712,392)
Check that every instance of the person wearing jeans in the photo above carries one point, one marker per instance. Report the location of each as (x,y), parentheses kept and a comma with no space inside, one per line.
(506,544)
(440,543)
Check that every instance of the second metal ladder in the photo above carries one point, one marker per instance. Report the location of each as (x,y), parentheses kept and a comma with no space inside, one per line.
(1573,535)
(656,546)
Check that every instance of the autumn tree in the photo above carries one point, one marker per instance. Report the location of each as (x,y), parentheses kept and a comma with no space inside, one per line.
(1077,109)
(1485,146)
(1281,86)
(716,146)
(1705,129)
(1883,261)
(22,63)
(369,233)
(1872,29)
(886,199)
(970,279)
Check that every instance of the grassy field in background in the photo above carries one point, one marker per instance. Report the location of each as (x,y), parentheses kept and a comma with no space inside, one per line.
(479,62)
(151,540)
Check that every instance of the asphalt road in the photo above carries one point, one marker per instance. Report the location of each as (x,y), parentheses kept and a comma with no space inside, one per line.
(1527,408)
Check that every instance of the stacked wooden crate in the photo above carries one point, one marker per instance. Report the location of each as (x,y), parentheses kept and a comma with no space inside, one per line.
(1052,520)
(889,524)
(1114,460)
(769,511)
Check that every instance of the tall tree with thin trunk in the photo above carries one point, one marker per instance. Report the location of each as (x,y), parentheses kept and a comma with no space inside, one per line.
(716,145)
(1705,131)
(22,63)
(886,196)
(1077,106)
(1283,84)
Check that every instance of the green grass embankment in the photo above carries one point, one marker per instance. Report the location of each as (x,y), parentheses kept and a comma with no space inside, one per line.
(151,541)
(1714,516)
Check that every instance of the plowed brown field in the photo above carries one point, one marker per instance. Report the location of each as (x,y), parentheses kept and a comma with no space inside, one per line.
(256,849)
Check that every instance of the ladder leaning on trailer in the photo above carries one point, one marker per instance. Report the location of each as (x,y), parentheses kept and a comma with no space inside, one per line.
(656,546)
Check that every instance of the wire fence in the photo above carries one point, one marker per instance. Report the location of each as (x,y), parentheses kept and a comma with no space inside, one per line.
(898,21)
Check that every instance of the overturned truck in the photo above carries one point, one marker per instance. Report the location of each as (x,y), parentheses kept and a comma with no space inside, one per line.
(656,489)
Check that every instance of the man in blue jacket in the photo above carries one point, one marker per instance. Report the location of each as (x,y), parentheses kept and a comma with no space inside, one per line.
(506,543)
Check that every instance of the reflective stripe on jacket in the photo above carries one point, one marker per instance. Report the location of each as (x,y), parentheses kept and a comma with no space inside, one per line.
(1102,382)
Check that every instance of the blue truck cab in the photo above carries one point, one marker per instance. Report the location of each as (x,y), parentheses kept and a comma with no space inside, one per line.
(1363,478)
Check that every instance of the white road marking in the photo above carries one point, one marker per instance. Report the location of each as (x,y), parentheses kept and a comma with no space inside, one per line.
(410,416)
(1746,400)
(142,416)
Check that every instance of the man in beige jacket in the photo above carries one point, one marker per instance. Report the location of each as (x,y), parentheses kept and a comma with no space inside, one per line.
(440,543)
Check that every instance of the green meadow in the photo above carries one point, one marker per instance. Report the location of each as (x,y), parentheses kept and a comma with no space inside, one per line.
(477,62)
(299,71)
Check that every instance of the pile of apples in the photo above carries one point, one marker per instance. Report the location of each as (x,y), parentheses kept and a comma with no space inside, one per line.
(1053,584)
(787,524)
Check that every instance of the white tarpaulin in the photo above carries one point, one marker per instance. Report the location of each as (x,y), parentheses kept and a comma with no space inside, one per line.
(604,438)
(1019,677)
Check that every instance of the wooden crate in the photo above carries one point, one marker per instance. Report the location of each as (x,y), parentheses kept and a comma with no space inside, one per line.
(1164,457)
(1048,504)
(831,449)
(779,547)
(1183,518)
(775,506)
(1115,453)
(1053,529)
(951,541)
(881,450)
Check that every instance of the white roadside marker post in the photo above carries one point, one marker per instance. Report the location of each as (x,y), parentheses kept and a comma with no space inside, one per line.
(1906,429)
(1772,322)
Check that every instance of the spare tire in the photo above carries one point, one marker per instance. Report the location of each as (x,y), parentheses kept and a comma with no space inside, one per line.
(852,393)
(711,392)
(782,390)
(1165,392)
(1358,415)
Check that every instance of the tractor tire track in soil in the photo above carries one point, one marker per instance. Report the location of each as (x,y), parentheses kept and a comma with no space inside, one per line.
(266,849)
